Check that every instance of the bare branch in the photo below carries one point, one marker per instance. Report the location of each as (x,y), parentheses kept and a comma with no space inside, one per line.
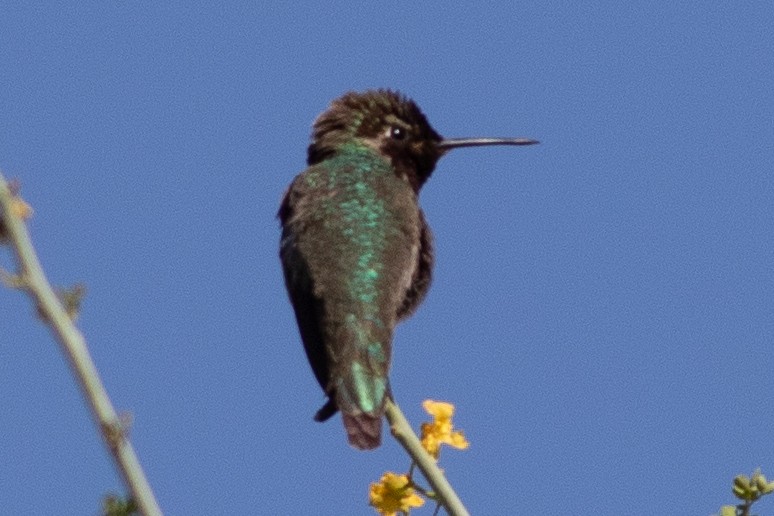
(31,278)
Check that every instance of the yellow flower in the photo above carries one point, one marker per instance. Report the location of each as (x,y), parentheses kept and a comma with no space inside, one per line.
(392,494)
(20,208)
(440,430)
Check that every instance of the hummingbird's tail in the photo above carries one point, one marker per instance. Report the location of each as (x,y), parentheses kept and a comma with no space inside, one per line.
(358,384)
(361,399)
(364,431)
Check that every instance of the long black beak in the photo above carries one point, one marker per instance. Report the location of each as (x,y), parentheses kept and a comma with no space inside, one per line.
(453,143)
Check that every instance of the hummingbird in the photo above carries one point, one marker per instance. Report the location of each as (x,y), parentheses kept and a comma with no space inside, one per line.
(356,249)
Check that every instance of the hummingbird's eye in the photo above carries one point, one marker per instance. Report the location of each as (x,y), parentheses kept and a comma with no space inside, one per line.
(396,132)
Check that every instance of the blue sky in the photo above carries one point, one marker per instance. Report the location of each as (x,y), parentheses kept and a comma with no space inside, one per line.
(601,312)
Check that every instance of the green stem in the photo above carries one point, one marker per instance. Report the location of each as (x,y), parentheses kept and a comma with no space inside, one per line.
(405,435)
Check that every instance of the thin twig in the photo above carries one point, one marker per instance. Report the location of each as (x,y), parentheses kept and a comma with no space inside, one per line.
(405,435)
(33,280)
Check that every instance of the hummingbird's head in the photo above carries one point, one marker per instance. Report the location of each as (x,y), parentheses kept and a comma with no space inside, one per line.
(393,126)
(384,120)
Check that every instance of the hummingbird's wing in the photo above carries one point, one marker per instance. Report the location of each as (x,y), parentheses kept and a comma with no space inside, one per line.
(308,307)
(423,272)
